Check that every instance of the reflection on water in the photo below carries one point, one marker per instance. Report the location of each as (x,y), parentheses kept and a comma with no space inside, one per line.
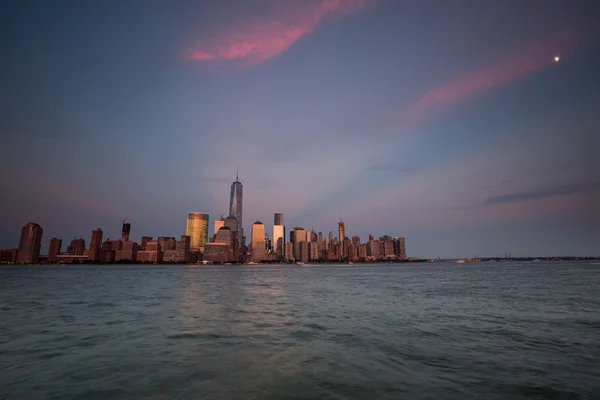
(360,332)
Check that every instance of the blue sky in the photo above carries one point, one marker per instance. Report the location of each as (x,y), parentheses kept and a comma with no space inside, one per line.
(448,123)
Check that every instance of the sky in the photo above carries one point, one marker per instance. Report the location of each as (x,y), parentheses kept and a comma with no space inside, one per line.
(447,122)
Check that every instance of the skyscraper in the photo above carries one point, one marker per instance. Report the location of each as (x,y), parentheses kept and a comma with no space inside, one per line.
(402,248)
(77,247)
(278,219)
(197,230)
(278,234)
(125,231)
(235,202)
(258,241)
(342,236)
(54,249)
(218,225)
(299,237)
(30,243)
(95,252)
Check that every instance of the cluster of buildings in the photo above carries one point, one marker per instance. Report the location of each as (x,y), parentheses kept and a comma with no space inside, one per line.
(226,245)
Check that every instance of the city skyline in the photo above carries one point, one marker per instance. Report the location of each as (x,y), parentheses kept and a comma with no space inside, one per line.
(458,130)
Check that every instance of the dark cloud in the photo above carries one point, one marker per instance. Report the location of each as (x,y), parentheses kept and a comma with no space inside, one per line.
(549,191)
(393,167)
(540,193)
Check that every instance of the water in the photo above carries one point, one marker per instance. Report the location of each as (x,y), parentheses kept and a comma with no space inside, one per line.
(426,331)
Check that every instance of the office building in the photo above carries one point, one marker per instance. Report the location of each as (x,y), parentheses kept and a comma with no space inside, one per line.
(54,249)
(279,239)
(128,252)
(9,255)
(302,251)
(402,248)
(197,230)
(224,249)
(342,231)
(278,219)
(313,251)
(289,251)
(76,248)
(299,237)
(167,243)
(236,203)
(95,253)
(181,252)
(145,239)
(278,234)
(151,254)
(30,243)
(218,225)
(258,244)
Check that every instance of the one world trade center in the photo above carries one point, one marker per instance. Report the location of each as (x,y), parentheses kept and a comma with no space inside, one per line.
(235,203)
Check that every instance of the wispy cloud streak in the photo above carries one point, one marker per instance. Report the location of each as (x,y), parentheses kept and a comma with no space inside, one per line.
(262,40)
(527,59)
(536,194)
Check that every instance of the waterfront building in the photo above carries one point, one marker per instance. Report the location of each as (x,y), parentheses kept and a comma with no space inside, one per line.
(236,203)
(9,255)
(76,248)
(95,253)
(346,249)
(402,248)
(167,243)
(128,252)
(362,252)
(388,249)
(197,230)
(152,253)
(278,234)
(181,252)
(373,249)
(302,251)
(145,239)
(257,243)
(320,237)
(225,248)
(342,232)
(289,251)
(54,249)
(279,239)
(216,252)
(356,240)
(30,243)
(313,251)
(299,237)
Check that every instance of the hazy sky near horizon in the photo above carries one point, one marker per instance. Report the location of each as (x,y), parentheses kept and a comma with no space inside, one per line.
(447,122)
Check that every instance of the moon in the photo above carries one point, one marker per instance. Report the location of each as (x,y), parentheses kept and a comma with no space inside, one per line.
(556,58)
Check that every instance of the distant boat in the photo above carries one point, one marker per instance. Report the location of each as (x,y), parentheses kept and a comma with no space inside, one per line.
(460,261)
(537,260)
(300,263)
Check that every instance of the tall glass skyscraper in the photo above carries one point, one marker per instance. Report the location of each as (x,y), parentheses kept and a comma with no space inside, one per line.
(197,230)
(278,234)
(235,203)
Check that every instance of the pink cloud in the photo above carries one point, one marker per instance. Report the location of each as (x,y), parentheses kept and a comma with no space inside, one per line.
(527,59)
(262,40)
